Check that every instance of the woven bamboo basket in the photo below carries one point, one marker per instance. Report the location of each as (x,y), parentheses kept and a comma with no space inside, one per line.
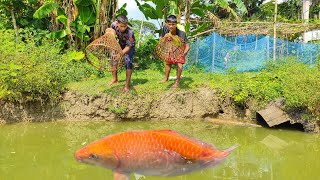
(170,48)
(105,52)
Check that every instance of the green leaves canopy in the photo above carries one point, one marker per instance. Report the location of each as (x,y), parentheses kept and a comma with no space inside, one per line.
(44,10)
(149,11)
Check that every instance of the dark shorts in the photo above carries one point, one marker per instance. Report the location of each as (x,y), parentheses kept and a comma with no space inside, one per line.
(128,59)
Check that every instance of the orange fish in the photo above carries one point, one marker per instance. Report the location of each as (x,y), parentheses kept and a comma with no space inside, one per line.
(151,153)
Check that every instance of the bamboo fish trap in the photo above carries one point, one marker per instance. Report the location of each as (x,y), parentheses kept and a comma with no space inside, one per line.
(105,52)
(170,48)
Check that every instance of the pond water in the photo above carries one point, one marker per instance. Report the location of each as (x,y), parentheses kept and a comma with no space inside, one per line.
(46,150)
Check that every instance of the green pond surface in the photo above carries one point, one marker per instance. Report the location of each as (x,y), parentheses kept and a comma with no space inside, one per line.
(46,150)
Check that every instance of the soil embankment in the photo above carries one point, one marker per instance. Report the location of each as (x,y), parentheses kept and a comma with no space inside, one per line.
(191,104)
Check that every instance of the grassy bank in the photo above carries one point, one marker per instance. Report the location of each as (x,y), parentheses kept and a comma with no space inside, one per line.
(37,70)
(296,83)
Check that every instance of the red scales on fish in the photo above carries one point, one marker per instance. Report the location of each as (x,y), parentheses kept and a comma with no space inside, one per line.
(150,153)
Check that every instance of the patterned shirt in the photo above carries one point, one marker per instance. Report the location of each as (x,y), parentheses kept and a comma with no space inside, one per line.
(179,32)
(126,38)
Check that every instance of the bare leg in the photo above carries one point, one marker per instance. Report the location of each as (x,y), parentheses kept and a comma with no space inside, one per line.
(128,79)
(168,69)
(179,71)
(115,77)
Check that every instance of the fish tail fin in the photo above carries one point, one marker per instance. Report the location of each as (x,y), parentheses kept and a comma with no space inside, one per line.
(226,152)
(231,148)
(218,156)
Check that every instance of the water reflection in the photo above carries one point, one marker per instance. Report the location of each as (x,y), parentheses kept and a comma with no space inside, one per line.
(45,150)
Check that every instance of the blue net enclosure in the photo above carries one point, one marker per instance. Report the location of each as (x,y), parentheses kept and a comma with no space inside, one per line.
(217,53)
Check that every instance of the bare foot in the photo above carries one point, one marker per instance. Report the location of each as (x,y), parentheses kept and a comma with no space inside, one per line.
(175,85)
(126,89)
(113,82)
(164,80)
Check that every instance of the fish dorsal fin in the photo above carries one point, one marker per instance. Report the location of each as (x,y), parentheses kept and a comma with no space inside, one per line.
(172,132)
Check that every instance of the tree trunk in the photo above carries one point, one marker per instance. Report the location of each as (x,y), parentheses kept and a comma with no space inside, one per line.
(179,6)
(187,12)
(14,22)
(115,10)
(71,11)
(97,24)
(104,12)
(53,15)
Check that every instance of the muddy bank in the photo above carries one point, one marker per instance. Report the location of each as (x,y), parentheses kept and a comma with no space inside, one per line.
(191,104)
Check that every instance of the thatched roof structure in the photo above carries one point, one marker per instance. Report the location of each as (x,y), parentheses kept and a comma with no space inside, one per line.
(267,28)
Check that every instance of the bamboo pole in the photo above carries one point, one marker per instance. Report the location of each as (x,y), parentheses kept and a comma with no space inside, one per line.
(197,52)
(140,33)
(204,32)
(213,51)
(268,47)
(275,30)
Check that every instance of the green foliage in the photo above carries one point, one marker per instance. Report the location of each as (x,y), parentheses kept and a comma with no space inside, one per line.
(44,10)
(23,11)
(86,15)
(318,63)
(150,12)
(77,27)
(196,69)
(58,34)
(264,87)
(200,28)
(118,110)
(35,69)
(198,8)
(147,28)
(264,11)
(300,86)
(297,83)
(122,10)
(290,9)
(145,58)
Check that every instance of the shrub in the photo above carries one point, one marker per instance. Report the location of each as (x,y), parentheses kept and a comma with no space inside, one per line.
(294,81)
(34,69)
(145,58)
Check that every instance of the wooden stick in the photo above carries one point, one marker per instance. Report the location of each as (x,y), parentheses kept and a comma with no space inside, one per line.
(219,121)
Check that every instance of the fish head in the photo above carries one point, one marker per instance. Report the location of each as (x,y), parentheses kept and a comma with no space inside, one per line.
(99,154)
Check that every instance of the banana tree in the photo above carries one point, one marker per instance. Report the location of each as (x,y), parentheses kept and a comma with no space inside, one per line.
(81,20)
(201,9)
(62,13)
(105,13)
